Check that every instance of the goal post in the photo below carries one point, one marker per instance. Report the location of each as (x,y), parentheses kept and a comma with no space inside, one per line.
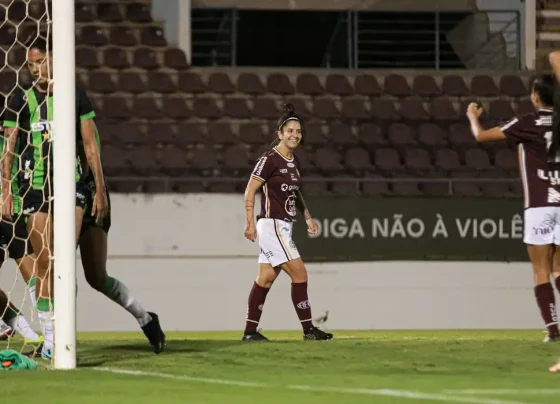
(64,183)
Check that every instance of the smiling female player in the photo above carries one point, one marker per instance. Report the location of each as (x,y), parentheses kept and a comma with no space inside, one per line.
(277,177)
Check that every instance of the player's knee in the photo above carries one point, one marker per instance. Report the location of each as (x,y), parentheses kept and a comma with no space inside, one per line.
(95,282)
(541,274)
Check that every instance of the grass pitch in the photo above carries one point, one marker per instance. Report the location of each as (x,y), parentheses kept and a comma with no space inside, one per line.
(481,367)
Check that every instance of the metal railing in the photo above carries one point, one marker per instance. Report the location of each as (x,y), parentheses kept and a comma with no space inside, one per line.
(169,184)
(214,37)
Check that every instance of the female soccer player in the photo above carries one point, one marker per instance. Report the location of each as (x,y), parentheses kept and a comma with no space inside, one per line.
(28,124)
(93,250)
(540,174)
(276,175)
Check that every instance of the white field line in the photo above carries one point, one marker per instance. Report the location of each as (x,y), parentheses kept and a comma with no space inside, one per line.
(371,392)
(503,392)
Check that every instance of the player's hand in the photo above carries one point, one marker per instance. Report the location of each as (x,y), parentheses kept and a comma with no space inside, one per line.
(251,230)
(474,111)
(7,205)
(312,227)
(100,206)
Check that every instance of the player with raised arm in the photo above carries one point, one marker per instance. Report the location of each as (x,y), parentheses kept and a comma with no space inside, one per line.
(539,164)
(29,126)
(277,177)
(93,251)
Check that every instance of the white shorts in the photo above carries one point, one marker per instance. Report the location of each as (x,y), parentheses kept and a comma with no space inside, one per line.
(542,226)
(275,240)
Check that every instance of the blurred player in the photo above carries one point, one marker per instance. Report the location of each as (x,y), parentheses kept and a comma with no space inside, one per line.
(93,250)
(276,175)
(540,175)
(28,125)
(10,315)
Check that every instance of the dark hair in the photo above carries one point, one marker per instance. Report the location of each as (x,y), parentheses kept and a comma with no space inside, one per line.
(41,41)
(288,114)
(544,86)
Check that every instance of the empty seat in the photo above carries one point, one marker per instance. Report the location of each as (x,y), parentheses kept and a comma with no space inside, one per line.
(93,35)
(401,135)
(406,187)
(7,34)
(477,159)
(314,135)
(466,189)
(304,162)
(101,82)
(146,58)
(383,110)
(16,11)
(131,83)
(375,185)
(116,58)
(161,82)
(265,108)
(513,86)
(447,160)
(443,110)
(235,158)
(387,160)
(354,109)
(153,37)
(191,83)
(221,133)
(116,107)
(109,12)
(8,81)
(138,12)
(425,86)
(84,12)
(122,36)
(175,106)
(309,84)
(146,107)
(357,160)
(366,84)
(250,83)
(417,161)
(315,188)
(506,160)
(413,110)
(460,136)
(328,161)
(220,83)
(86,58)
(175,58)
(191,133)
(279,83)
(371,135)
(251,133)
(345,187)
(236,107)
(300,107)
(174,161)
(455,86)
(432,135)
(396,85)
(341,134)
(325,108)
(206,108)
(204,160)
(500,110)
(484,86)
(338,84)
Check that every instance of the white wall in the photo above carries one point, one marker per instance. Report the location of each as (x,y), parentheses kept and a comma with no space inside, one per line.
(185,257)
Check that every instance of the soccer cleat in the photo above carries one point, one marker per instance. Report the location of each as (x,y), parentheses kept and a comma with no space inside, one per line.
(5,332)
(253,336)
(154,333)
(552,338)
(315,333)
(47,354)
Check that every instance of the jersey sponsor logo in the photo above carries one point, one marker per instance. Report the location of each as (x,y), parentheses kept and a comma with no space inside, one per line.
(29,210)
(283,170)
(544,121)
(291,165)
(303,305)
(553,196)
(553,177)
(260,166)
(286,187)
(27,169)
(290,205)
(42,126)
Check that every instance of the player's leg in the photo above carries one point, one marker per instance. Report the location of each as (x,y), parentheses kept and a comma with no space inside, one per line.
(21,251)
(12,317)
(93,250)
(266,276)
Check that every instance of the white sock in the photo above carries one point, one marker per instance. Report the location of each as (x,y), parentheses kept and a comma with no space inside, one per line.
(22,327)
(47,326)
(31,290)
(119,293)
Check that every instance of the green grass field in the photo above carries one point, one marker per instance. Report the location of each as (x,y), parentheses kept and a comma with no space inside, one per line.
(499,367)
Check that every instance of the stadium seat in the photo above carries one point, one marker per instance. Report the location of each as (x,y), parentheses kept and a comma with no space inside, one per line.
(250,83)
(220,83)
(397,85)
(338,84)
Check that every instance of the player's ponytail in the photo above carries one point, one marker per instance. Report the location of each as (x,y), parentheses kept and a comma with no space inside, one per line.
(288,114)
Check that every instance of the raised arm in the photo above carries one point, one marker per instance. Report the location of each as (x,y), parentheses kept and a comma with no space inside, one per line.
(554,58)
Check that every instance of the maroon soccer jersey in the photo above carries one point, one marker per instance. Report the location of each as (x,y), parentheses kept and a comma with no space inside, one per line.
(540,177)
(281,180)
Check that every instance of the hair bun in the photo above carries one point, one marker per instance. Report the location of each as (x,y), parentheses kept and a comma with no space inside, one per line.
(289,109)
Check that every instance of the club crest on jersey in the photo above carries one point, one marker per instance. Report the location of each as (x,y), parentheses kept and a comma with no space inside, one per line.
(291,165)
(290,206)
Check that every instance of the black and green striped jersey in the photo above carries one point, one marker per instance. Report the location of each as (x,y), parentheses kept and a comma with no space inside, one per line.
(15,169)
(31,111)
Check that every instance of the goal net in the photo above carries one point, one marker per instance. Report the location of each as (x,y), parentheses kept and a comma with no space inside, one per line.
(28,119)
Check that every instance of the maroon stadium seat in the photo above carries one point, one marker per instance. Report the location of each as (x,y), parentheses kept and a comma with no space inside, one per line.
(341,134)
(325,108)
(372,187)
(383,110)
(220,83)
(146,58)
(401,135)
(92,35)
(477,159)
(138,12)
(206,108)
(265,108)
(344,187)
(454,85)
(367,85)
(484,86)
(413,110)
(236,107)
(84,12)
(191,83)
(500,110)
(432,135)
(387,160)
(354,109)
(116,58)
(251,133)
(358,160)
(152,37)
(250,83)
(338,84)
(109,12)
(309,84)
(300,106)
(314,135)
(122,36)
(442,109)
(161,82)
(447,160)
(425,86)
(175,58)
(328,161)
(279,83)
(101,82)
(174,106)
(396,85)
(86,57)
(131,83)
(371,135)
(513,86)
(417,161)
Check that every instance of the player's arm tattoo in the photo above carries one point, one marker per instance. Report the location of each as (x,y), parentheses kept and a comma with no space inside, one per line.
(249,199)
(10,139)
(301,206)
(92,152)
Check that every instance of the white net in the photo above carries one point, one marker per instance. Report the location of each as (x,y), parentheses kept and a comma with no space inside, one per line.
(21,22)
